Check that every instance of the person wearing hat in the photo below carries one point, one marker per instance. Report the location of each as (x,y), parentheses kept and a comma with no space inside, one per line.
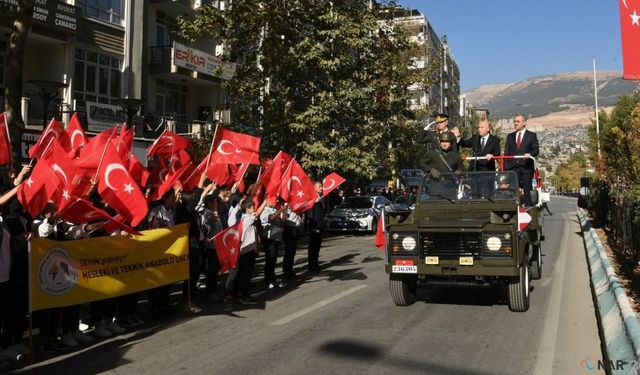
(443,159)
(504,189)
(430,134)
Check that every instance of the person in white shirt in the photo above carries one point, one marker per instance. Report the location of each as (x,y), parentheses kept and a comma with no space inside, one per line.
(272,220)
(292,225)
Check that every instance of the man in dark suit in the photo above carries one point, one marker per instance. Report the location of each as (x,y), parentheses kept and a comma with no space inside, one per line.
(522,142)
(315,224)
(483,144)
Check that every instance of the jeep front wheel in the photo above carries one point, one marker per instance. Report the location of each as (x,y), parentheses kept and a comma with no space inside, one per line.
(403,289)
(518,290)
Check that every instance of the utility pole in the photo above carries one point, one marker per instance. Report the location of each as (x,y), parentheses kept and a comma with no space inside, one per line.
(595,90)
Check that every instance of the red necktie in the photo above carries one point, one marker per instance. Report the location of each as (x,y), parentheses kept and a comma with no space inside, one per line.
(519,140)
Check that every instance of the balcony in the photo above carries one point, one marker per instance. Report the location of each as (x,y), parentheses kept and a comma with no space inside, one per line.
(179,7)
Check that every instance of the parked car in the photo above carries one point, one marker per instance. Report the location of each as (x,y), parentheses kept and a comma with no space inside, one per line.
(356,214)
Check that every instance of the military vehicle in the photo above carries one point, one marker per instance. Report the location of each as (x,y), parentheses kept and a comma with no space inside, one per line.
(467,229)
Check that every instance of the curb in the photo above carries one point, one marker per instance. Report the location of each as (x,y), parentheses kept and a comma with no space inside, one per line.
(620,326)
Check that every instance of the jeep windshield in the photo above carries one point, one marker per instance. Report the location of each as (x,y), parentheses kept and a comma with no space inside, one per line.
(469,186)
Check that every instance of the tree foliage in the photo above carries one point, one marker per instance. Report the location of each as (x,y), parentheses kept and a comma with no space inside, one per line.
(325,81)
(619,142)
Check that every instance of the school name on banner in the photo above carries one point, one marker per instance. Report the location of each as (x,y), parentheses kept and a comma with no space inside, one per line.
(73,272)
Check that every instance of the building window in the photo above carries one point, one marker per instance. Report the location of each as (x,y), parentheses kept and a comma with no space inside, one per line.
(107,10)
(171,102)
(97,77)
(167,30)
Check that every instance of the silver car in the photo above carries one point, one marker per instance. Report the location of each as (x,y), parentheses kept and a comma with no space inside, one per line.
(356,214)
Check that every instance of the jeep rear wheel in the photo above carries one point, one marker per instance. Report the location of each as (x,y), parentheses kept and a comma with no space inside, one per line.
(403,289)
(518,291)
(536,262)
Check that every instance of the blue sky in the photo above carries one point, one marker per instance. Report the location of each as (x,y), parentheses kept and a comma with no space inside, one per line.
(504,41)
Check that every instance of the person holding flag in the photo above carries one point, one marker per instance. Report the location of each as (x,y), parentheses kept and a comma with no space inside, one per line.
(272,230)
(210,224)
(315,223)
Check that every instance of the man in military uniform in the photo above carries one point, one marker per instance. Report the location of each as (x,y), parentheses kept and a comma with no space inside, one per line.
(429,136)
(443,159)
(504,189)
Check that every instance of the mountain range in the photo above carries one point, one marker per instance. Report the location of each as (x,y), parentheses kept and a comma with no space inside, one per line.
(552,101)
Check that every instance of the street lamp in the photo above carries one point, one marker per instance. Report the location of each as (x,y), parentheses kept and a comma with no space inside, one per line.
(48,92)
(130,106)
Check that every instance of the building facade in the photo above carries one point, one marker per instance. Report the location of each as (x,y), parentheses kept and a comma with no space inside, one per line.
(444,95)
(96,58)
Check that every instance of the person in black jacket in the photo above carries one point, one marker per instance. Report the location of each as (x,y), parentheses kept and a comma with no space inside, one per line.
(522,142)
(483,144)
(315,224)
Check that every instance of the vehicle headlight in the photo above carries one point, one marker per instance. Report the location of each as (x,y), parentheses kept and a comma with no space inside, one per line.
(494,243)
(409,243)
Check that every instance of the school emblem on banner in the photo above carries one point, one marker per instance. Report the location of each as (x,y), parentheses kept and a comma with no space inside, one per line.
(56,273)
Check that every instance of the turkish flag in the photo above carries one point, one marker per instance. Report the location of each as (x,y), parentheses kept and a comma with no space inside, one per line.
(523,218)
(82,211)
(5,142)
(168,183)
(75,132)
(91,153)
(34,193)
(158,174)
(119,190)
(178,159)
(331,182)
(53,131)
(124,141)
(630,27)
(69,178)
(302,190)
(167,144)
(380,240)
(227,244)
(230,147)
(138,171)
(271,179)
(192,174)
(218,173)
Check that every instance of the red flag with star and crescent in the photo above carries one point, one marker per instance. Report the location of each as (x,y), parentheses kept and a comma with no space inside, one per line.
(331,183)
(75,132)
(81,211)
(630,30)
(53,131)
(34,193)
(167,144)
(302,191)
(227,244)
(231,147)
(118,189)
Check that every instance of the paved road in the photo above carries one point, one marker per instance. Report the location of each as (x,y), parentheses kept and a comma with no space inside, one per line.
(342,321)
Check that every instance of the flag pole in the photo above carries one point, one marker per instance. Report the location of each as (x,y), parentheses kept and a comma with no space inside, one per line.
(595,90)
(104,151)
(213,140)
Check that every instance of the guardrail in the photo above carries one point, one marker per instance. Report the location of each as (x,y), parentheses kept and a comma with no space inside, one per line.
(620,326)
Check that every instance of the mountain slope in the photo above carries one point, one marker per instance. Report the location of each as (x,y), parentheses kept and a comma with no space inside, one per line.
(569,94)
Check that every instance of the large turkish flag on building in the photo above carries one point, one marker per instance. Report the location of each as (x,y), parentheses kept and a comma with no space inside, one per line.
(630,27)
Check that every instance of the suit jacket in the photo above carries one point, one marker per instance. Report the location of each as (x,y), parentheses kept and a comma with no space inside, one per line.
(529,145)
(492,146)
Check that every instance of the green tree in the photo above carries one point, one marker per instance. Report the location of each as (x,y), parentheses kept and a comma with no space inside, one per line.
(318,79)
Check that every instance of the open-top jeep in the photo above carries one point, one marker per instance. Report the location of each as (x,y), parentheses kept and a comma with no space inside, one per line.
(466,229)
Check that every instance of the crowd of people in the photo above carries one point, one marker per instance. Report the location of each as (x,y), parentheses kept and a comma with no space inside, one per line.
(269,228)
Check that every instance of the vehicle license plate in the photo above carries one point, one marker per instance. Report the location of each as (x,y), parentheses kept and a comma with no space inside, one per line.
(404,269)
(466,261)
(432,260)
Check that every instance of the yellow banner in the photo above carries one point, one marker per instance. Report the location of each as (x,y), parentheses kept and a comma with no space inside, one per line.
(73,272)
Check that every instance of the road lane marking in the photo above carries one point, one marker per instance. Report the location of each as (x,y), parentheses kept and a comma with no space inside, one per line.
(547,346)
(318,305)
